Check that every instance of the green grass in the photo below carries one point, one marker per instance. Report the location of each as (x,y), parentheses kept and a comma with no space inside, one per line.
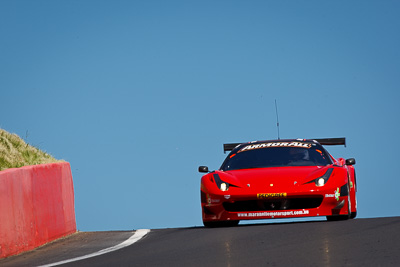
(15,153)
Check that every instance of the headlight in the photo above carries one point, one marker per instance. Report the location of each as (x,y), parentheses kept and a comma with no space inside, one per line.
(223,186)
(321,181)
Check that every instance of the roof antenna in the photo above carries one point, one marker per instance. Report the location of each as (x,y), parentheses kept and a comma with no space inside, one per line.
(277,119)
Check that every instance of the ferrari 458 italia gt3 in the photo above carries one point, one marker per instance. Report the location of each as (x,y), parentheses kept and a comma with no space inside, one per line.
(279,179)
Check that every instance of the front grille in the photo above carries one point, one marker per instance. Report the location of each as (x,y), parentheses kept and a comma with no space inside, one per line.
(273,204)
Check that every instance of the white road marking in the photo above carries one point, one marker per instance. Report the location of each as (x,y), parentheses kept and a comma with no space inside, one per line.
(134,238)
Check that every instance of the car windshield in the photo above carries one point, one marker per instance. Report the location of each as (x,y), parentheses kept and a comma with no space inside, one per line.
(265,157)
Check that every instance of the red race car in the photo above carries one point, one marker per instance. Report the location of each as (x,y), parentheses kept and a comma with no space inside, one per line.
(279,179)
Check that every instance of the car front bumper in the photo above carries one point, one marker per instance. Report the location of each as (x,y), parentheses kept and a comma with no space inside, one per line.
(226,207)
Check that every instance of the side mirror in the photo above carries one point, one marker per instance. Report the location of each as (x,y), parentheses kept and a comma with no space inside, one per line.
(350,161)
(203,169)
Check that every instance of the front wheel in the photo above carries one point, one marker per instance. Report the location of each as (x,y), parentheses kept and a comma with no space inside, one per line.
(221,224)
(348,215)
(337,218)
(353,215)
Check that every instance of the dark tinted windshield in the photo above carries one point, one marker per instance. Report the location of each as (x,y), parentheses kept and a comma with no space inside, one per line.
(266,157)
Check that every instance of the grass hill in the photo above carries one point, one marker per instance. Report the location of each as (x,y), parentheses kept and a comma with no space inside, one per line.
(15,153)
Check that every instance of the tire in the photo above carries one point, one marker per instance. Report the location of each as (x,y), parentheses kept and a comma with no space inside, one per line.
(353,215)
(348,215)
(334,218)
(220,224)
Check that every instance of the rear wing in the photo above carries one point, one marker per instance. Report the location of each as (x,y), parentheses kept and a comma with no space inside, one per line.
(323,141)
(230,147)
(331,141)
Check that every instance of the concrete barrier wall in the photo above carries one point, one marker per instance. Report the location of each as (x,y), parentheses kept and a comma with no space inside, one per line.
(36,206)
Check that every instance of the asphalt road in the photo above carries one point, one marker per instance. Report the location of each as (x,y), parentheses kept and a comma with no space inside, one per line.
(358,242)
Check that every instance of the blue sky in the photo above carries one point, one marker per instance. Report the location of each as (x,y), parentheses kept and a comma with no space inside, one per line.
(137,94)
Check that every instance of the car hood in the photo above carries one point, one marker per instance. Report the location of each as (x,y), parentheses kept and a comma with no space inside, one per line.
(277,177)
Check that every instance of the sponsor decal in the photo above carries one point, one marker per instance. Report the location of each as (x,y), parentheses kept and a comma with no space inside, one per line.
(273,213)
(211,200)
(271,195)
(337,194)
(208,200)
(275,144)
(329,195)
(227,196)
